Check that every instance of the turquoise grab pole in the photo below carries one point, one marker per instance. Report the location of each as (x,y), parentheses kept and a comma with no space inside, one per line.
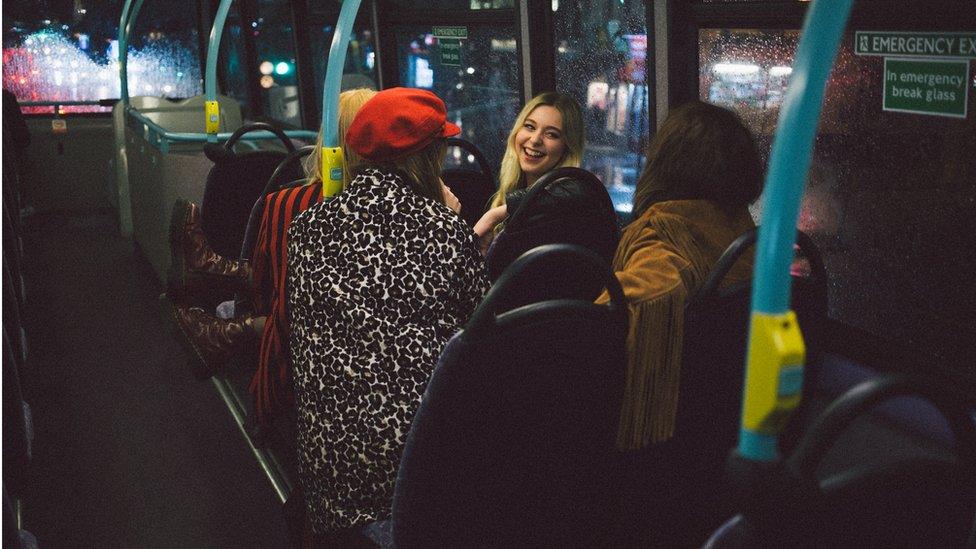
(333,74)
(776,352)
(332,158)
(210,80)
(213,49)
(129,14)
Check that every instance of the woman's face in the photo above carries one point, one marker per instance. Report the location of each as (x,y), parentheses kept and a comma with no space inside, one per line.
(539,143)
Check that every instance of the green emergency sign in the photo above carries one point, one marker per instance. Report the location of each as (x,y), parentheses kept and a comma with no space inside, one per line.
(449,41)
(450,32)
(926,86)
(450,52)
(916,44)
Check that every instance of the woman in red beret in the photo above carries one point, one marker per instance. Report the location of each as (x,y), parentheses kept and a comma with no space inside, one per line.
(379,278)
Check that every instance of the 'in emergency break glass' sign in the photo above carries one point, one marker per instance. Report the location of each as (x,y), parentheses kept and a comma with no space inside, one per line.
(926,86)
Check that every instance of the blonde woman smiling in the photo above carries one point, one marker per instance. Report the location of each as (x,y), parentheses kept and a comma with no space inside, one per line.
(547,134)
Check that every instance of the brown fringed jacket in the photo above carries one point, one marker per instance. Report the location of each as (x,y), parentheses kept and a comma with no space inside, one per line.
(663,258)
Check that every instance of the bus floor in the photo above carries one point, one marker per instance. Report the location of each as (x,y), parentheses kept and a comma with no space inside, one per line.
(129,449)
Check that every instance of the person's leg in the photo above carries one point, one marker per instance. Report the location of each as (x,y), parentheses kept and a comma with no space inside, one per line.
(210,341)
(195,268)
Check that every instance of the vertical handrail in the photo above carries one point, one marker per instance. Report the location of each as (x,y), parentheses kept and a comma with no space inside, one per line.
(129,14)
(333,74)
(776,352)
(212,109)
(332,165)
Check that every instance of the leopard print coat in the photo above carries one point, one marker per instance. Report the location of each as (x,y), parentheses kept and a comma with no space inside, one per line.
(379,279)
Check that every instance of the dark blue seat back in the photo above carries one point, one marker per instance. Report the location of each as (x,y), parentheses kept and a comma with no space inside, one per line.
(513,444)
(233,184)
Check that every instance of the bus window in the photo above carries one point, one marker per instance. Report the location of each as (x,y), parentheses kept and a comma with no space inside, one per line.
(233,69)
(601,60)
(890,197)
(360,68)
(480,90)
(274,39)
(71,56)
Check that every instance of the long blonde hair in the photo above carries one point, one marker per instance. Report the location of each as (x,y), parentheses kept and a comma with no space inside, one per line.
(349,104)
(510,175)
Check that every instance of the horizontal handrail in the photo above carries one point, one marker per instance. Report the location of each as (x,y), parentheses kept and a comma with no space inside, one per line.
(268,462)
(161,137)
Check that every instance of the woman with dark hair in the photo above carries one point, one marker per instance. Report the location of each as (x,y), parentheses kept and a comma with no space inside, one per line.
(379,278)
(703,170)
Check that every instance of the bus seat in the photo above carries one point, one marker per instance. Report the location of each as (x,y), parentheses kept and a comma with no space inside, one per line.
(921,501)
(912,415)
(513,443)
(17,428)
(473,188)
(234,182)
(284,174)
(567,205)
(692,498)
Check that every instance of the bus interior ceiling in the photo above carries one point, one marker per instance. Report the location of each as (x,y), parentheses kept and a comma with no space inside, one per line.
(130,451)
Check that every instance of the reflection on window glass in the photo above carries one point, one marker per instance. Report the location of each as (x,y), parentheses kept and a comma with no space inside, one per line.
(273,37)
(75,59)
(601,60)
(359,70)
(481,93)
(233,63)
(891,197)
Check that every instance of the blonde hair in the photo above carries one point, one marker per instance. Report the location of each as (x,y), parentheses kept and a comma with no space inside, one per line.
(422,168)
(349,104)
(510,176)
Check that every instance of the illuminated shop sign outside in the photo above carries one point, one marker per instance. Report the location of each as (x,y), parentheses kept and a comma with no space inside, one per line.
(916,44)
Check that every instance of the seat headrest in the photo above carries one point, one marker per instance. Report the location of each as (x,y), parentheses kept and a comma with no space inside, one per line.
(218,154)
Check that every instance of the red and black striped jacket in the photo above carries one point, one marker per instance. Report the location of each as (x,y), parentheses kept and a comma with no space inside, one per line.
(270,386)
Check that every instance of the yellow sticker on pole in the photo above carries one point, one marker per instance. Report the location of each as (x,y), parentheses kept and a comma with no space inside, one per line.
(212,111)
(774,378)
(332,169)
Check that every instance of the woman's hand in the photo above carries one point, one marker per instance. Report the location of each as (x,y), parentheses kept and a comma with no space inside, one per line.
(484,228)
(449,199)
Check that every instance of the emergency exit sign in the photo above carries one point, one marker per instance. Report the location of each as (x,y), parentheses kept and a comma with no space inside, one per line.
(450,32)
(916,44)
(936,87)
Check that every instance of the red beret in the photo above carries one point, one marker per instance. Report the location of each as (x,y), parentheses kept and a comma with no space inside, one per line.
(397,122)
